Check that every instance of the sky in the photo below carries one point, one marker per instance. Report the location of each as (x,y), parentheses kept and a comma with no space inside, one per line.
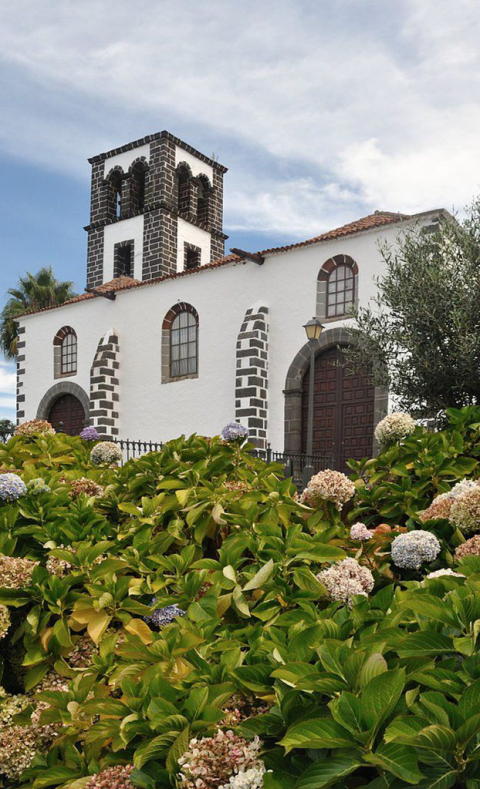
(323,111)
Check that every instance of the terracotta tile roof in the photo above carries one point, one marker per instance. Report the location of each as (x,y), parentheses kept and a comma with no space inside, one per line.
(378,219)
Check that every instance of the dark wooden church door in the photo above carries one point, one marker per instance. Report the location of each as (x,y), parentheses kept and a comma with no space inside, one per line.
(343,412)
(67,415)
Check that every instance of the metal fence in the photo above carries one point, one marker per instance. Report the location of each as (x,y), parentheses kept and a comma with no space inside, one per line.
(135,449)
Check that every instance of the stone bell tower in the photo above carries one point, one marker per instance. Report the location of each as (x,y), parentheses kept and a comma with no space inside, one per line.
(156,209)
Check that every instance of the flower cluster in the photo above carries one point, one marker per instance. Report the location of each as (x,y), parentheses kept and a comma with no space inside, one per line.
(470,547)
(445,572)
(328,486)
(18,746)
(117,777)
(247,779)
(439,508)
(211,762)
(16,572)
(85,486)
(234,431)
(35,427)
(106,452)
(465,510)
(59,567)
(394,427)
(4,621)
(411,549)
(82,653)
(38,486)
(163,616)
(52,682)
(345,579)
(11,487)
(89,433)
(360,532)
(241,708)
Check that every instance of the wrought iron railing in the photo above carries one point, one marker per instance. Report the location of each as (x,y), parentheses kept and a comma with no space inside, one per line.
(135,449)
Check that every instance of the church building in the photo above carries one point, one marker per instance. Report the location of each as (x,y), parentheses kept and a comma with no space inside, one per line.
(171,336)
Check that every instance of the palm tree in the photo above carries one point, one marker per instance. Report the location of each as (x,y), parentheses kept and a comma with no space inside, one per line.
(34,292)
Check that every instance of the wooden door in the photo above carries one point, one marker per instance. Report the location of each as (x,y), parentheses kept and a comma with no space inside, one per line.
(67,415)
(343,410)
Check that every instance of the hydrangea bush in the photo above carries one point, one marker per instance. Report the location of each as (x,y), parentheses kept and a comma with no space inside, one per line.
(201,626)
(35,427)
(106,452)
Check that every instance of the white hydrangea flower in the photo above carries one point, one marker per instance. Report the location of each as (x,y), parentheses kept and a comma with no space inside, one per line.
(106,452)
(247,779)
(465,510)
(360,532)
(394,427)
(328,485)
(411,549)
(346,579)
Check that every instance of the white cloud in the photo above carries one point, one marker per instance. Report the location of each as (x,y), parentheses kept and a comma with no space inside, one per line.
(375,107)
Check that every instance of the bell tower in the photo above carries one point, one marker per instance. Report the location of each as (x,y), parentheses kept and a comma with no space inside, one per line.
(156,209)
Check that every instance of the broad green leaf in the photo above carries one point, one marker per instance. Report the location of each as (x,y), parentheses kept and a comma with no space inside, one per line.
(327,771)
(317,733)
(400,760)
(373,667)
(260,577)
(425,643)
(380,697)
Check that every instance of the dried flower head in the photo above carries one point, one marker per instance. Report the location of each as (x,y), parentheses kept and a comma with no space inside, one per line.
(117,777)
(465,510)
(60,567)
(210,762)
(470,547)
(439,508)
(328,486)
(89,433)
(85,486)
(12,487)
(360,532)
(5,621)
(445,572)
(16,572)
(412,549)
(234,431)
(163,616)
(394,427)
(240,709)
(82,654)
(35,427)
(106,452)
(346,579)
(37,486)
(18,746)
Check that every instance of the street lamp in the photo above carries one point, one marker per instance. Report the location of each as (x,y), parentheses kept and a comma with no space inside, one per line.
(313,330)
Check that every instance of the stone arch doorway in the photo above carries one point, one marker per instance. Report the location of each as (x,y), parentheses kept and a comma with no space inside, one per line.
(67,415)
(346,406)
(66,406)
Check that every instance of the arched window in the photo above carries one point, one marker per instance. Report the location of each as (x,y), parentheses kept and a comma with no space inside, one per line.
(184,183)
(138,184)
(65,352)
(113,184)
(204,199)
(337,287)
(180,343)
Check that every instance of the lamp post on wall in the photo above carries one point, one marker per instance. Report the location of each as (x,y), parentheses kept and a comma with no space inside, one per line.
(313,330)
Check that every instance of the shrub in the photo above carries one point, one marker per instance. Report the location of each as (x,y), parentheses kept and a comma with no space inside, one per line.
(197,625)
(35,427)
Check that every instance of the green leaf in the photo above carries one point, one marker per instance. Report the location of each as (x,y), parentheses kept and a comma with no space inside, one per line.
(178,749)
(373,667)
(317,733)
(380,697)
(260,577)
(425,643)
(400,760)
(326,771)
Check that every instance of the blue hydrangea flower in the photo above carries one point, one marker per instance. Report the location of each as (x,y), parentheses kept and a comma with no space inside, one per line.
(233,431)
(411,549)
(163,616)
(12,487)
(89,433)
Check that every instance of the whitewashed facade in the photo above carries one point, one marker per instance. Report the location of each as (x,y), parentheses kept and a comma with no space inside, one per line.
(246,315)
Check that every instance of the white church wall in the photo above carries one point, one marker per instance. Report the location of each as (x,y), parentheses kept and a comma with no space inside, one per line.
(125,159)
(151,410)
(197,166)
(126,230)
(190,234)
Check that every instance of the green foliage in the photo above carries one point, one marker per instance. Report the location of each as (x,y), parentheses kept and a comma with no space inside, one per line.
(422,337)
(33,292)
(384,693)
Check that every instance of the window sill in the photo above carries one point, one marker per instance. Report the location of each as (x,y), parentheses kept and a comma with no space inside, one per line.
(167,379)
